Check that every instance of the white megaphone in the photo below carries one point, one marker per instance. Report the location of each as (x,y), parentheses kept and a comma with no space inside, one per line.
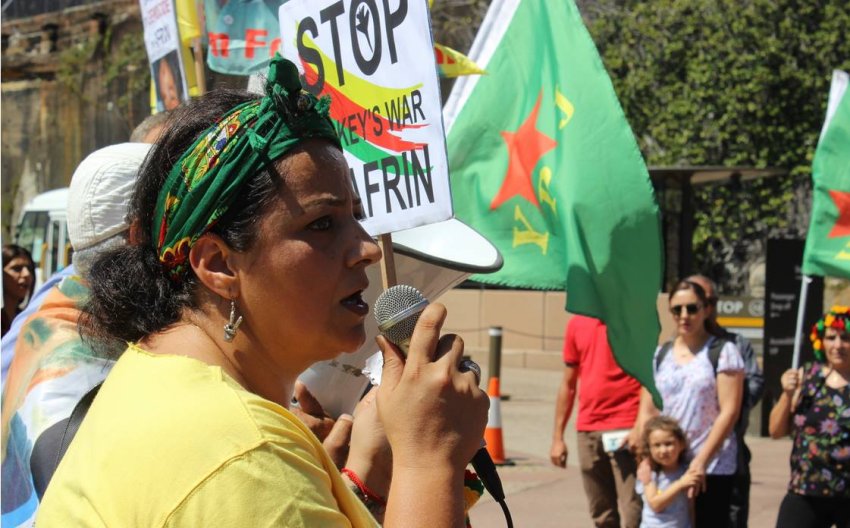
(433,258)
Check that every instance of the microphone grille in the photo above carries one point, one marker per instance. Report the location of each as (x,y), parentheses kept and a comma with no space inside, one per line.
(397,310)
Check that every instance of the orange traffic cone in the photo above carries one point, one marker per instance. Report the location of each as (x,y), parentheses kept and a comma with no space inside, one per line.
(493,433)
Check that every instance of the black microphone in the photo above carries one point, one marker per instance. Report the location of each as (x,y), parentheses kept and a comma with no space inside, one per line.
(397,310)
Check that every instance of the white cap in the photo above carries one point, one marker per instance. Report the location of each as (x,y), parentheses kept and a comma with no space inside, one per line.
(99,194)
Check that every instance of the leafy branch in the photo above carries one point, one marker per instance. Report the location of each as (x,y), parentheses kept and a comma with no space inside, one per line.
(732,83)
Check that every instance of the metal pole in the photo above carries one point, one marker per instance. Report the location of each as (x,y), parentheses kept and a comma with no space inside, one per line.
(200,72)
(495,367)
(801,312)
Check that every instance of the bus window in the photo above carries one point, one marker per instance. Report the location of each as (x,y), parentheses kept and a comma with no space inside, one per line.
(43,231)
(31,233)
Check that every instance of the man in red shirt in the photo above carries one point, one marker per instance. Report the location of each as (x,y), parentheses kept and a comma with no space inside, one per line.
(607,408)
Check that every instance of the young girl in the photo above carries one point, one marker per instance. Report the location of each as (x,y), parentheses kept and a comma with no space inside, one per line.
(664,490)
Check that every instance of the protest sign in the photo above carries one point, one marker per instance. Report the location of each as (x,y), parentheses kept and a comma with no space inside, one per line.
(376,62)
(243,37)
(243,34)
(162,42)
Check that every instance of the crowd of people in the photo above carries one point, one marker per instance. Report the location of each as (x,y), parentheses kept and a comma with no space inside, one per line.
(692,464)
(218,254)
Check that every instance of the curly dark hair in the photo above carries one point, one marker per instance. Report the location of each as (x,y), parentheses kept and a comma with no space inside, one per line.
(132,295)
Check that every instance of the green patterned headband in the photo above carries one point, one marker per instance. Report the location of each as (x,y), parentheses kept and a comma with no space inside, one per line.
(211,173)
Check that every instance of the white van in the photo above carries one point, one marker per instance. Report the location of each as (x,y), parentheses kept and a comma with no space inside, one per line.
(43,230)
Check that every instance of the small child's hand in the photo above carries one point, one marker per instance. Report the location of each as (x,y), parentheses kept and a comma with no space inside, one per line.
(644,472)
(697,467)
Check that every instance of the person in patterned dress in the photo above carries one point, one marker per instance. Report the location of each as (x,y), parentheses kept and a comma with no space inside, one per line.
(815,409)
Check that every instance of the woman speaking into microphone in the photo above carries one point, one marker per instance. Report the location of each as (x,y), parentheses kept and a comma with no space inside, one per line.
(245,266)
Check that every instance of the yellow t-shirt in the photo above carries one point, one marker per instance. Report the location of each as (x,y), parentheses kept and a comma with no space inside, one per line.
(171,441)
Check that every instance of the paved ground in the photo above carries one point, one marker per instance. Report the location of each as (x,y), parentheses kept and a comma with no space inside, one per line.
(542,496)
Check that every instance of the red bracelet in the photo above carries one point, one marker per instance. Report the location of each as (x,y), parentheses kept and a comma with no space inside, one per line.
(371,495)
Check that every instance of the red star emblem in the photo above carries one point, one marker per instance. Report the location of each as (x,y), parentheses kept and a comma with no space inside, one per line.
(525,148)
(842,225)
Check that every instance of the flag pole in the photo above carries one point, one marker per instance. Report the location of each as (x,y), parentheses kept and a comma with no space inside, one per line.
(198,60)
(801,312)
(388,275)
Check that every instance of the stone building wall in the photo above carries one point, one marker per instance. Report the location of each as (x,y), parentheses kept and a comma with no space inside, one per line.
(72,82)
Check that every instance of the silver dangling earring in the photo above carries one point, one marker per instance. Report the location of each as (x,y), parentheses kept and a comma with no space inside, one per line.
(233,325)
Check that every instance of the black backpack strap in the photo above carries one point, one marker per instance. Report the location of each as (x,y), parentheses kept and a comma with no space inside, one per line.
(714,350)
(662,353)
(51,445)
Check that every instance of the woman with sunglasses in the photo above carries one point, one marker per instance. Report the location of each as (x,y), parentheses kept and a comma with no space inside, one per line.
(704,398)
(815,409)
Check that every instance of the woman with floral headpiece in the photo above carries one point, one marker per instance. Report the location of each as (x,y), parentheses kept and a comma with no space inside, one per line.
(815,409)
(246,264)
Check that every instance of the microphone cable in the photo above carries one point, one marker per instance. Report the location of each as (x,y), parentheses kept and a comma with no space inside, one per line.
(486,469)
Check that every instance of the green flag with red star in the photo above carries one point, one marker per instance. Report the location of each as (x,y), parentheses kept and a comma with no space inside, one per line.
(544,164)
(828,242)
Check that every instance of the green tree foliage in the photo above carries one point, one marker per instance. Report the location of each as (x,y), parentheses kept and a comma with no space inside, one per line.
(734,83)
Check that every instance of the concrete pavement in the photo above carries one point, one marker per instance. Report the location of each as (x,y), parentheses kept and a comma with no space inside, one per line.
(542,496)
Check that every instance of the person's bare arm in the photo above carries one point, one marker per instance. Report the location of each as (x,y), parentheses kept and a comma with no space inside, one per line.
(730,390)
(780,416)
(660,500)
(563,410)
(646,411)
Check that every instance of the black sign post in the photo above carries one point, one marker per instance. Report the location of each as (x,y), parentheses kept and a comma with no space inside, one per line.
(782,298)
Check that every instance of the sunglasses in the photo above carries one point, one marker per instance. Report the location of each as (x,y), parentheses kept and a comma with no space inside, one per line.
(691,308)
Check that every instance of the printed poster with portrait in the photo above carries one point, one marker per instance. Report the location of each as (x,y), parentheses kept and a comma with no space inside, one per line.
(375,59)
(243,35)
(162,42)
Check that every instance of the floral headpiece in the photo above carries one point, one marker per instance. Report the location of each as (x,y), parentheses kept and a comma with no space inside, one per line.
(837,317)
